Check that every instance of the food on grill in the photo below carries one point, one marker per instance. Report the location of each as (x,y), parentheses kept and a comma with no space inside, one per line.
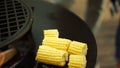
(58,43)
(77,61)
(51,56)
(77,48)
(55,51)
(51,33)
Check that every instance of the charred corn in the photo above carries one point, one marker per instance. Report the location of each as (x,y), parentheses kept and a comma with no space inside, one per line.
(77,61)
(49,55)
(51,33)
(77,48)
(58,43)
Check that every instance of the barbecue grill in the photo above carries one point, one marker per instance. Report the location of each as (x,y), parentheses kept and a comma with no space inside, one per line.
(15,20)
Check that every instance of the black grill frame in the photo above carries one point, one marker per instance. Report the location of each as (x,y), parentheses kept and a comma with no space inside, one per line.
(15,20)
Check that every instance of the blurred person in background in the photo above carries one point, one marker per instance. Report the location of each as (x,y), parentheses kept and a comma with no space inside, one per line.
(116,5)
(116,9)
(118,46)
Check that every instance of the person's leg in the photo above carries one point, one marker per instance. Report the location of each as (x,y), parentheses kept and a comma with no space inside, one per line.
(118,46)
(93,9)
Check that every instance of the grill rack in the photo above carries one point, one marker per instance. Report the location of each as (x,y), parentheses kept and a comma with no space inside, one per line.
(14,17)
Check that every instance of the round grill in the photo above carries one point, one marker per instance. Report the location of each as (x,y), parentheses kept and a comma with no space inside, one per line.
(15,20)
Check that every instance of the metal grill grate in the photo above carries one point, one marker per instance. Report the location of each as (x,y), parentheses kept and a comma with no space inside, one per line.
(13,16)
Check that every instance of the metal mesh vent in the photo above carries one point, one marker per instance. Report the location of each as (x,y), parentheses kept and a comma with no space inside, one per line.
(13,16)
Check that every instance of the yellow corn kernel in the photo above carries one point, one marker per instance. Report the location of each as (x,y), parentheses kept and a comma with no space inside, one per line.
(58,43)
(77,61)
(49,55)
(51,33)
(77,48)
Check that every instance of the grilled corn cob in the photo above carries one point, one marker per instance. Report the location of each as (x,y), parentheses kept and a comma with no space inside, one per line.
(58,43)
(77,48)
(77,61)
(51,56)
(51,33)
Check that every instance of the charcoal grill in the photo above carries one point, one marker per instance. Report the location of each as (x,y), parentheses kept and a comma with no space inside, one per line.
(69,25)
(15,20)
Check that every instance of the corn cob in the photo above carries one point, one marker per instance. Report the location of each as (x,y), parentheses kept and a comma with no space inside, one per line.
(51,33)
(58,43)
(77,61)
(49,55)
(77,48)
